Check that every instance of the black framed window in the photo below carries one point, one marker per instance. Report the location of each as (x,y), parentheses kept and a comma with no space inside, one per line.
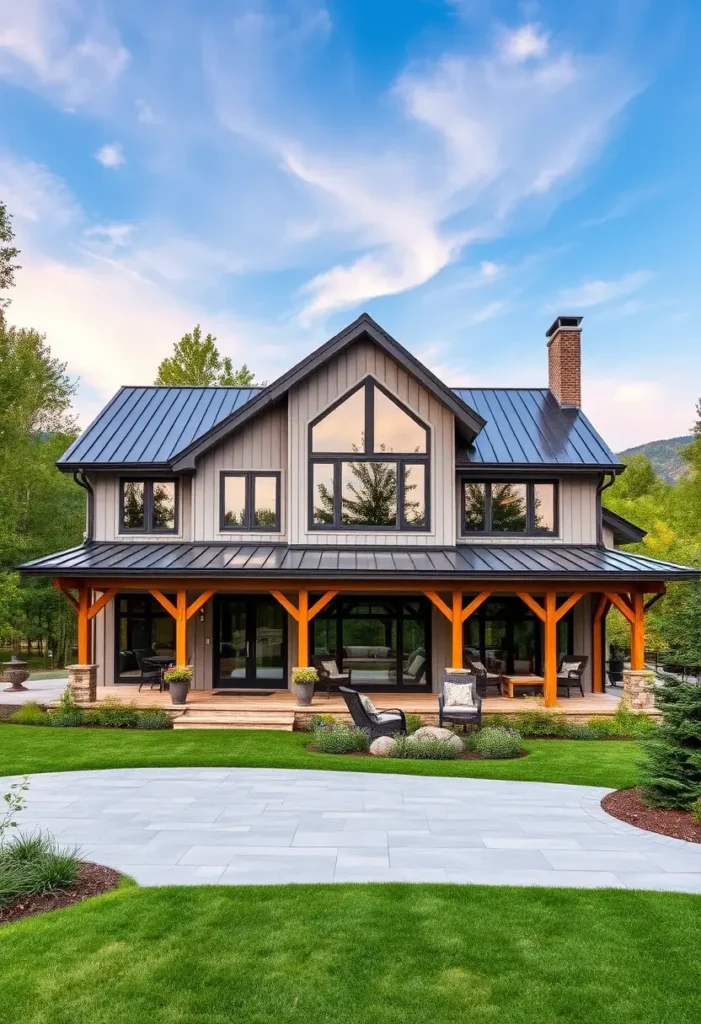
(369,464)
(143,628)
(148,506)
(509,508)
(249,500)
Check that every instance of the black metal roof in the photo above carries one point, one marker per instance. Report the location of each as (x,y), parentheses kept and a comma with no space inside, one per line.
(624,532)
(529,427)
(484,561)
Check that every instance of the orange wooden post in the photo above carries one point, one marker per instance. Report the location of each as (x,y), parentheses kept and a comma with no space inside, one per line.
(550,687)
(456,656)
(83,626)
(637,632)
(181,628)
(303,629)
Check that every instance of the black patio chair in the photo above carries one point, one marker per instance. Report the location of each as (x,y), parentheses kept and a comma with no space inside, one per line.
(328,673)
(484,677)
(378,723)
(571,671)
(467,713)
(150,673)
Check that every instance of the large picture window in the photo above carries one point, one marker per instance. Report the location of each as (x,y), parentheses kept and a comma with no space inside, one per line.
(143,628)
(508,507)
(148,506)
(369,464)
(249,501)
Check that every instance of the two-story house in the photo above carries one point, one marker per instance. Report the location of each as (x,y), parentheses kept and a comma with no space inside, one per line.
(357,506)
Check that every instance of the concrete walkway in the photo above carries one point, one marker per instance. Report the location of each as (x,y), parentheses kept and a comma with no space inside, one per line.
(189,826)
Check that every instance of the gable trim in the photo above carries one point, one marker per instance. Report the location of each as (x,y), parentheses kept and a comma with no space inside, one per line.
(471,421)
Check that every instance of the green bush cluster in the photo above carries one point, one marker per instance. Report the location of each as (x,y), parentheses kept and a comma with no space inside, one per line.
(696,811)
(413,722)
(623,724)
(321,722)
(34,864)
(111,714)
(496,743)
(343,739)
(424,750)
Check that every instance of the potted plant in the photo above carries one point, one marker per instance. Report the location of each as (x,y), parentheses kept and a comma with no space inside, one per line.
(303,682)
(179,679)
(616,665)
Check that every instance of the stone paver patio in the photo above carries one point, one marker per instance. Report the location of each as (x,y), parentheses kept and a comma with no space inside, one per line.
(190,826)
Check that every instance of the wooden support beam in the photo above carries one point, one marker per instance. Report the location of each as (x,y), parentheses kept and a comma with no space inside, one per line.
(637,632)
(303,629)
(98,605)
(439,603)
(68,596)
(568,604)
(456,644)
(474,604)
(622,605)
(164,602)
(181,628)
(287,605)
(321,603)
(199,602)
(550,686)
(83,626)
(536,608)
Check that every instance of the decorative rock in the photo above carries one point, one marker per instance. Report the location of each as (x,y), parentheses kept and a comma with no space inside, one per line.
(434,732)
(639,689)
(382,746)
(82,682)
(14,672)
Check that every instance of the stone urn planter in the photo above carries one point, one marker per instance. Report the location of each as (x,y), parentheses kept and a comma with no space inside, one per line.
(303,682)
(179,681)
(14,672)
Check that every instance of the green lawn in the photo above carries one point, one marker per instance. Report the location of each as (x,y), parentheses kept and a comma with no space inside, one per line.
(386,954)
(36,749)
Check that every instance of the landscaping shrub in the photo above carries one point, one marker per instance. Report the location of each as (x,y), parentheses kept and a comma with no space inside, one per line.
(35,864)
(112,714)
(496,743)
(29,714)
(321,722)
(426,750)
(582,732)
(153,718)
(413,722)
(670,772)
(343,739)
(68,714)
(696,811)
(539,723)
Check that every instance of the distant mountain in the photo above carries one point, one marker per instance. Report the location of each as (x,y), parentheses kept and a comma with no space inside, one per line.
(664,456)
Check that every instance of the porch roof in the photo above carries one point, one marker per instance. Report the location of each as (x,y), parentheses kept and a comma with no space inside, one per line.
(494,562)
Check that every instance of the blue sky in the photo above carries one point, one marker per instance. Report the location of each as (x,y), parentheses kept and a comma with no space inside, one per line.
(465,170)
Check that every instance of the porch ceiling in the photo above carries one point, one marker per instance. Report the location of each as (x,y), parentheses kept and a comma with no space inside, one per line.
(479,562)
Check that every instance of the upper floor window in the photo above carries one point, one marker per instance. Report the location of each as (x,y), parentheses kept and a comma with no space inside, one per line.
(507,507)
(369,464)
(148,506)
(249,501)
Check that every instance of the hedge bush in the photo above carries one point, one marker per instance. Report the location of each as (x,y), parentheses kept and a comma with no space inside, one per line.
(29,714)
(423,750)
(496,743)
(343,739)
(153,718)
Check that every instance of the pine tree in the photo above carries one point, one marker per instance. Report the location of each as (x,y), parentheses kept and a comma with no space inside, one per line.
(670,773)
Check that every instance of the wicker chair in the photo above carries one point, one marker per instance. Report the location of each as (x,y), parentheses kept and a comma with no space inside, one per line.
(328,673)
(150,674)
(570,672)
(485,678)
(378,723)
(469,713)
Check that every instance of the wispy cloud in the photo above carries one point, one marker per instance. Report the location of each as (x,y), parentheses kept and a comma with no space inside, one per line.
(524,43)
(111,155)
(626,203)
(594,293)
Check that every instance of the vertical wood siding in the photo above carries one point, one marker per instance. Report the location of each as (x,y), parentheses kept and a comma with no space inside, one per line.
(316,393)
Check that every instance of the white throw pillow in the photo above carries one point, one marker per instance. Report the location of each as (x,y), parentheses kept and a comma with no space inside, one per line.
(367,704)
(458,694)
(569,666)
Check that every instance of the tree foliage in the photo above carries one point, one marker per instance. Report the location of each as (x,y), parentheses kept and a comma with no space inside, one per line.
(196,362)
(8,254)
(670,773)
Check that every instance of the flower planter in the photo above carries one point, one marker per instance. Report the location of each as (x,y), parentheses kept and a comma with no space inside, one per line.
(179,691)
(303,682)
(14,672)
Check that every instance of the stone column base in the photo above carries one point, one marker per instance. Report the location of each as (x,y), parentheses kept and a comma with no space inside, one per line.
(82,683)
(639,689)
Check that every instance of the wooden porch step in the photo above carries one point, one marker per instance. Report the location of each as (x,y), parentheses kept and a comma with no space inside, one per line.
(227,719)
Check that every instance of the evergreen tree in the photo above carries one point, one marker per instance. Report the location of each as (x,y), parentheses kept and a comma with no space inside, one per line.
(196,362)
(670,773)
(371,497)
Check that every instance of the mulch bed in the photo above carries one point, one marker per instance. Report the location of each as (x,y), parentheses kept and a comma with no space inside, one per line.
(467,755)
(627,805)
(93,880)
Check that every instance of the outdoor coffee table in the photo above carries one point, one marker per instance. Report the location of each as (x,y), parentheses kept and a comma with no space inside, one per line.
(510,683)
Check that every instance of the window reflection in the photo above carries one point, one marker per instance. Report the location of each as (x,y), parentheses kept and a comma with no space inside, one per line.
(474,497)
(265,501)
(394,429)
(322,490)
(235,501)
(342,430)
(544,508)
(369,493)
(414,494)
(163,509)
(133,515)
(509,508)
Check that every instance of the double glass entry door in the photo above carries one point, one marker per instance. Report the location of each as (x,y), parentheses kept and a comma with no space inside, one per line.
(250,643)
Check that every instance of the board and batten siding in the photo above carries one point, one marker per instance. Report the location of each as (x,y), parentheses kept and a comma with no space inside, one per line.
(106,505)
(577,519)
(260,444)
(313,395)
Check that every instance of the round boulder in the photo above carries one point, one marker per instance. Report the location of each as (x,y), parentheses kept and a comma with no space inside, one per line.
(382,746)
(433,732)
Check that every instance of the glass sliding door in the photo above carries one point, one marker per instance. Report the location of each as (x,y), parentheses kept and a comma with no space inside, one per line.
(250,643)
(507,637)
(143,627)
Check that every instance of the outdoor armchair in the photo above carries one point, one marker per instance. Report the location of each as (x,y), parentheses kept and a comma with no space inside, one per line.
(378,723)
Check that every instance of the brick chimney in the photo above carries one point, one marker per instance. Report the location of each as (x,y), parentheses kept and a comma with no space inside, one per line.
(565,360)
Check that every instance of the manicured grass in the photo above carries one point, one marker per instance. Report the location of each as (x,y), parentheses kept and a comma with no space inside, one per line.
(37,749)
(389,954)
